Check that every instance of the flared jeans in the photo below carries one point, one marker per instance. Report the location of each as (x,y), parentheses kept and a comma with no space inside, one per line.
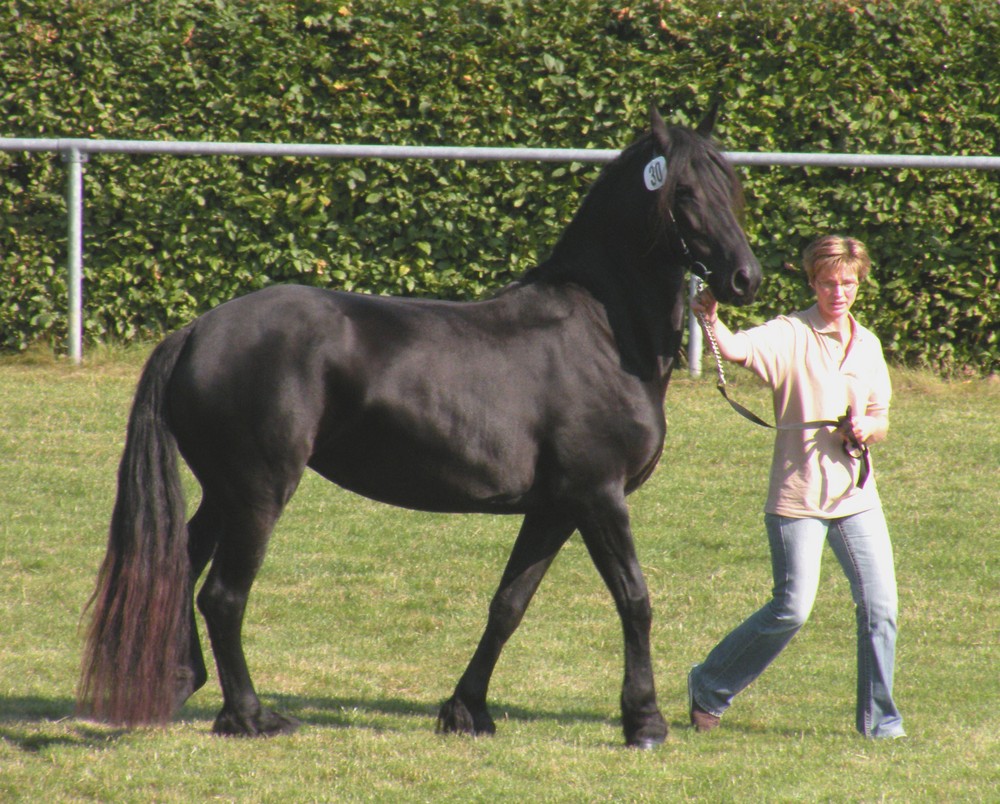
(862,546)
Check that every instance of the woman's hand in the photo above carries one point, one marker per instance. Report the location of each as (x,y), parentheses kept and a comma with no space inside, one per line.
(866,429)
(706,307)
(704,304)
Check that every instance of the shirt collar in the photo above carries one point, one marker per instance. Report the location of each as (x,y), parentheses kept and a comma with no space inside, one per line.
(821,327)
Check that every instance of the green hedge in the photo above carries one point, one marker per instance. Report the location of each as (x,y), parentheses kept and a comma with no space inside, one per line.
(168,237)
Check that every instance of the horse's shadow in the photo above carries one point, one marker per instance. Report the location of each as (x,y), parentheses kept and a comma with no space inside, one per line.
(373,713)
(34,724)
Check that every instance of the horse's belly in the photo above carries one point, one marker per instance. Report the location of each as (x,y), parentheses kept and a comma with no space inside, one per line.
(432,471)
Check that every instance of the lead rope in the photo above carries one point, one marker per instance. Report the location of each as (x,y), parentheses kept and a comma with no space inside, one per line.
(714,344)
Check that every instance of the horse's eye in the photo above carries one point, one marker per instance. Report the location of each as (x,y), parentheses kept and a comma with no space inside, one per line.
(684,194)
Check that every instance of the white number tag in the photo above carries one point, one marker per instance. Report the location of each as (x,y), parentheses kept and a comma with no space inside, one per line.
(655,173)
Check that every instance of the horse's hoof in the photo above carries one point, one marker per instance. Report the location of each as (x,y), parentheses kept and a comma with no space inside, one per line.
(455,718)
(646,743)
(186,684)
(263,723)
(649,735)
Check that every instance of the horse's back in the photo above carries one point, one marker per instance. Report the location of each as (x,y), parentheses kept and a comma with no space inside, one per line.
(401,400)
(425,404)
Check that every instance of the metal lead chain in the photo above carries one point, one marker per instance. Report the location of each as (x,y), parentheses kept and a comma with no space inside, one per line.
(712,342)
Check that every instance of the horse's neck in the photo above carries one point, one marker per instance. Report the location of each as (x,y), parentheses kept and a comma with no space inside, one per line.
(643,304)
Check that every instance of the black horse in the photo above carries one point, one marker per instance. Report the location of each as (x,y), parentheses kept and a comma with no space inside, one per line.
(545,400)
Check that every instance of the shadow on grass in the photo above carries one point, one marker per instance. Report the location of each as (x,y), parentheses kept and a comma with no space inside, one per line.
(385,714)
(378,713)
(33,724)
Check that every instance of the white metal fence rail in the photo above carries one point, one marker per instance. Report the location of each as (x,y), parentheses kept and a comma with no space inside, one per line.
(75,153)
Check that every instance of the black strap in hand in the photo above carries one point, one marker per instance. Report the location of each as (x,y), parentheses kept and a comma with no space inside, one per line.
(854,448)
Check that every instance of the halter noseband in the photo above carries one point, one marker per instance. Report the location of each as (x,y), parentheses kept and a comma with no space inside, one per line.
(696,267)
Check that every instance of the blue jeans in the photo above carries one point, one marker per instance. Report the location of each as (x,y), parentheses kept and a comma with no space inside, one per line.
(861,544)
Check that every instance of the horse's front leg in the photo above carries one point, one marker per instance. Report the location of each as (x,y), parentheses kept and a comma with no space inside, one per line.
(541,537)
(606,532)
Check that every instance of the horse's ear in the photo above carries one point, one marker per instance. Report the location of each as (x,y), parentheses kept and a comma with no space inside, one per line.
(659,127)
(708,121)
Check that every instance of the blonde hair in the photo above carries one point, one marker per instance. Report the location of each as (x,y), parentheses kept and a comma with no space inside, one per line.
(836,252)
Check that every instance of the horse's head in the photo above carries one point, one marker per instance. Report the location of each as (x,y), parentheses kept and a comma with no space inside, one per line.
(700,202)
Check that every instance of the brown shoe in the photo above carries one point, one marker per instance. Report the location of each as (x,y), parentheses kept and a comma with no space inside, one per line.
(701,720)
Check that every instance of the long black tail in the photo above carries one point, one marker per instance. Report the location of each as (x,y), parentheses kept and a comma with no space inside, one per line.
(138,634)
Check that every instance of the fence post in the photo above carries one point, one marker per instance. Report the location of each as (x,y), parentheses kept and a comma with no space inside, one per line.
(694,333)
(74,159)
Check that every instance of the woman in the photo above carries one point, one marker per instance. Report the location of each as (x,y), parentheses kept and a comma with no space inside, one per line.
(817,362)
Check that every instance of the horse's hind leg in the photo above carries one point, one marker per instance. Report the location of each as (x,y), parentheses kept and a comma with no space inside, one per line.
(541,537)
(222,600)
(203,534)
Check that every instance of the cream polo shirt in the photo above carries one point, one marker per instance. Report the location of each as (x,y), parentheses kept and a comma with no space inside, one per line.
(802,359)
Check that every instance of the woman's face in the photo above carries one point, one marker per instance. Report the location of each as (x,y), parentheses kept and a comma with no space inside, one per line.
(836,289)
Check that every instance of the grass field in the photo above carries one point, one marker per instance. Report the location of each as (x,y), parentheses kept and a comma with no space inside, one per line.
(364,617)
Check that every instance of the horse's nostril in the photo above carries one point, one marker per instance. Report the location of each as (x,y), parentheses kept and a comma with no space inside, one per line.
(744,282)
(741,281)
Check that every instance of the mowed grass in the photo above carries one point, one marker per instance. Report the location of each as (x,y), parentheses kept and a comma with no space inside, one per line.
(364,616)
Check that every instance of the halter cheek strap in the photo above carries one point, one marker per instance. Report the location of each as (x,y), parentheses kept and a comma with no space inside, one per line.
(654,176)
(698,268)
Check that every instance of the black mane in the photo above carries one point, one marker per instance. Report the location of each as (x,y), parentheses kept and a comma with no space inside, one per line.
(619,209)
